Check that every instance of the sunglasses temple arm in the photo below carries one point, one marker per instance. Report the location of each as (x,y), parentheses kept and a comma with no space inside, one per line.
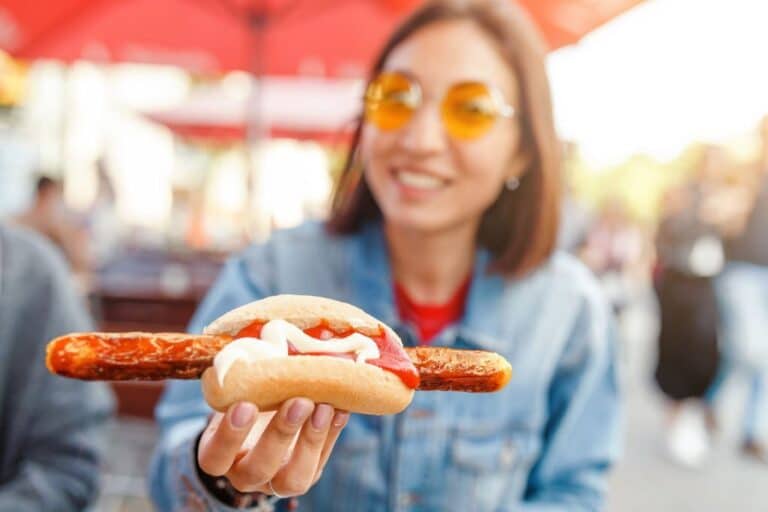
(507,111)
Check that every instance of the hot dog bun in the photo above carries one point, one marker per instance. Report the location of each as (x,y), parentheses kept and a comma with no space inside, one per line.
(343,383)
(303,311)
(359,387)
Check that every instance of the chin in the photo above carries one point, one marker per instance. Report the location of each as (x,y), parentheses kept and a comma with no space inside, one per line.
(424,222)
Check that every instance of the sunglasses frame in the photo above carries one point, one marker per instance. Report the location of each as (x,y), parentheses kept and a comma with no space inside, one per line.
(504,109)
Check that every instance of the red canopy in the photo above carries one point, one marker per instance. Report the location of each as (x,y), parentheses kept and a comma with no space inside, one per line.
(296,108)
(307,37)
(316,38)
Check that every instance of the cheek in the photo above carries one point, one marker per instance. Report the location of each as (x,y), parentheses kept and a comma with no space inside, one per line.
(485,167)
(376,150)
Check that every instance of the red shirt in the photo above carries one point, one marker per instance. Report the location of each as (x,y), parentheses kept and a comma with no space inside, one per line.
(430,319)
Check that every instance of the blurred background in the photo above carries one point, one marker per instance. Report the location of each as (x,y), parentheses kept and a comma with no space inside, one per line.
(151,138)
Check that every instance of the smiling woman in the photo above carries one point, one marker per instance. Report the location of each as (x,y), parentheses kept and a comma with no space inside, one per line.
(443,227)
(494,123)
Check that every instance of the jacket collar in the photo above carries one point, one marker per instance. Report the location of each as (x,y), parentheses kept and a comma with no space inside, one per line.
(371,274)
(484,324)
(484,321)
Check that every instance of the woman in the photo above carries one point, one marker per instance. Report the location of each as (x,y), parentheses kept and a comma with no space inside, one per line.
(443,226)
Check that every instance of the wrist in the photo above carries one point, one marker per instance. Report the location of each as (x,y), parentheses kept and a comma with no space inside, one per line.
(222,489)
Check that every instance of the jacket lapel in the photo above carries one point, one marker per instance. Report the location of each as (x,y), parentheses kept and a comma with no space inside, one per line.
(371,278)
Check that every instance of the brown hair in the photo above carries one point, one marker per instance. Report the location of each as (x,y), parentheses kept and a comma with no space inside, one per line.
(520,228)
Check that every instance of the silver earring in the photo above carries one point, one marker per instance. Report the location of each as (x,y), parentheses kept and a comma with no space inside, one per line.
(512,183)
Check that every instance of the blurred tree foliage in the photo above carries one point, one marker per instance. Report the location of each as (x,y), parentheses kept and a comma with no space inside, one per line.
(639,182)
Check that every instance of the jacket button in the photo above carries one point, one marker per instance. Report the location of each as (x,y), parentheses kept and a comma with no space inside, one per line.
(508,454)
(420,413)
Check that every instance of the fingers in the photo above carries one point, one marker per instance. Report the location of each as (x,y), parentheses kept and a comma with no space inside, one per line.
(298,475)
(337,425)
(274,459)
(222,439)
(272,450)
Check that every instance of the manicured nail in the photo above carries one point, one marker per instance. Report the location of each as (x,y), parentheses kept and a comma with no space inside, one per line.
(298,412)
(340,419)
(322,416)
(242,414)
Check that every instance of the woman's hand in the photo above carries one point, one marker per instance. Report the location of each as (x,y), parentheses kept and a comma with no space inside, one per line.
(285,452)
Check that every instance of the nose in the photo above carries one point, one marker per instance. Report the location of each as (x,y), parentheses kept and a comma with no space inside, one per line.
(423,134)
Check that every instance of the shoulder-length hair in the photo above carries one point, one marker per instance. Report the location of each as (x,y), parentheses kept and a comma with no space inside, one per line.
(520,227)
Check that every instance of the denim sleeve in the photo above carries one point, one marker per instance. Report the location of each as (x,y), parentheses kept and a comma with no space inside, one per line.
(182,412)
(582,436)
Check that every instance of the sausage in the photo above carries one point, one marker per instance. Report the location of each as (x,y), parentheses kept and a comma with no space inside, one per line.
(132,355)
(449,369)
(157,356)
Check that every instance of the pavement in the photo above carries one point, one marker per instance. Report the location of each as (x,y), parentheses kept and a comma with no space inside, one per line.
(645,481)
(123,482)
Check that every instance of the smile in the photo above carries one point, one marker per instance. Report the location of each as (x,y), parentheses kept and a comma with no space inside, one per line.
(419,180)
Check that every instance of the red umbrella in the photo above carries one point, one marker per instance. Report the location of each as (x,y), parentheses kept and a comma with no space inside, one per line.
(332,38)
(317,37)
(209,36)
(297,108)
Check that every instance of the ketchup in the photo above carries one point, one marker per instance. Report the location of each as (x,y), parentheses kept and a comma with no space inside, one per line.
(392,356)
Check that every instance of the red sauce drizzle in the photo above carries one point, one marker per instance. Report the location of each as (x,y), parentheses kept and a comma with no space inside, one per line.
(393,357)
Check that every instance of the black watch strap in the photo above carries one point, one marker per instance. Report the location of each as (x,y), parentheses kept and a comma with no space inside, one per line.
(222,489)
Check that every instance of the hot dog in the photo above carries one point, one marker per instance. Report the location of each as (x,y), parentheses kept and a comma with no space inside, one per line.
(284,346)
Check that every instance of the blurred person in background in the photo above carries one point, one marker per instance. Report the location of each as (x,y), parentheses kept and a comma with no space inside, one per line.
(49,216)
(689,255)
(576,223)
(52,430)
(576,218)
(103,223)
(444,226)
(612,246)
(742,291)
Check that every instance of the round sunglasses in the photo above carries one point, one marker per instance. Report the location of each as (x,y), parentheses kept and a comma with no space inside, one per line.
(468,109)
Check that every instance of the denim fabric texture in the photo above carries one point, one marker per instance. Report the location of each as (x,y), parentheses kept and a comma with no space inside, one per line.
(545,442)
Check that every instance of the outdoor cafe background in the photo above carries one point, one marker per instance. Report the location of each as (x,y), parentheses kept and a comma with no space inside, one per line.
(246,128)
(240,131)
(243,126)
(217,126)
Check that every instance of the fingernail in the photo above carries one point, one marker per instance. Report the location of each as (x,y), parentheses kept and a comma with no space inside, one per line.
(298,411)
(322,416)
(242,414)
(340,419)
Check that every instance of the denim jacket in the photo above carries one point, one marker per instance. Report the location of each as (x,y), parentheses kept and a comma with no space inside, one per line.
(544,443)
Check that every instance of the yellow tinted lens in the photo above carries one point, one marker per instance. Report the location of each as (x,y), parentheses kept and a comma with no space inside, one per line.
(390,101)
(469,110)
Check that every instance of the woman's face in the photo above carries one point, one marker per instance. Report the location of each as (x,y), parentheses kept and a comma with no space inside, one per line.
(421,177)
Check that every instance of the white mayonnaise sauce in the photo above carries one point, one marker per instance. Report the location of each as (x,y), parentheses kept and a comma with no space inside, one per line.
(275,336)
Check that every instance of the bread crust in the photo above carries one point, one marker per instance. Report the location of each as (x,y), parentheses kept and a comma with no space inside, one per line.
(303,311)
(342,383)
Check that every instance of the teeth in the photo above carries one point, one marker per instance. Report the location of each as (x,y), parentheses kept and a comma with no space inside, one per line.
(419,180)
